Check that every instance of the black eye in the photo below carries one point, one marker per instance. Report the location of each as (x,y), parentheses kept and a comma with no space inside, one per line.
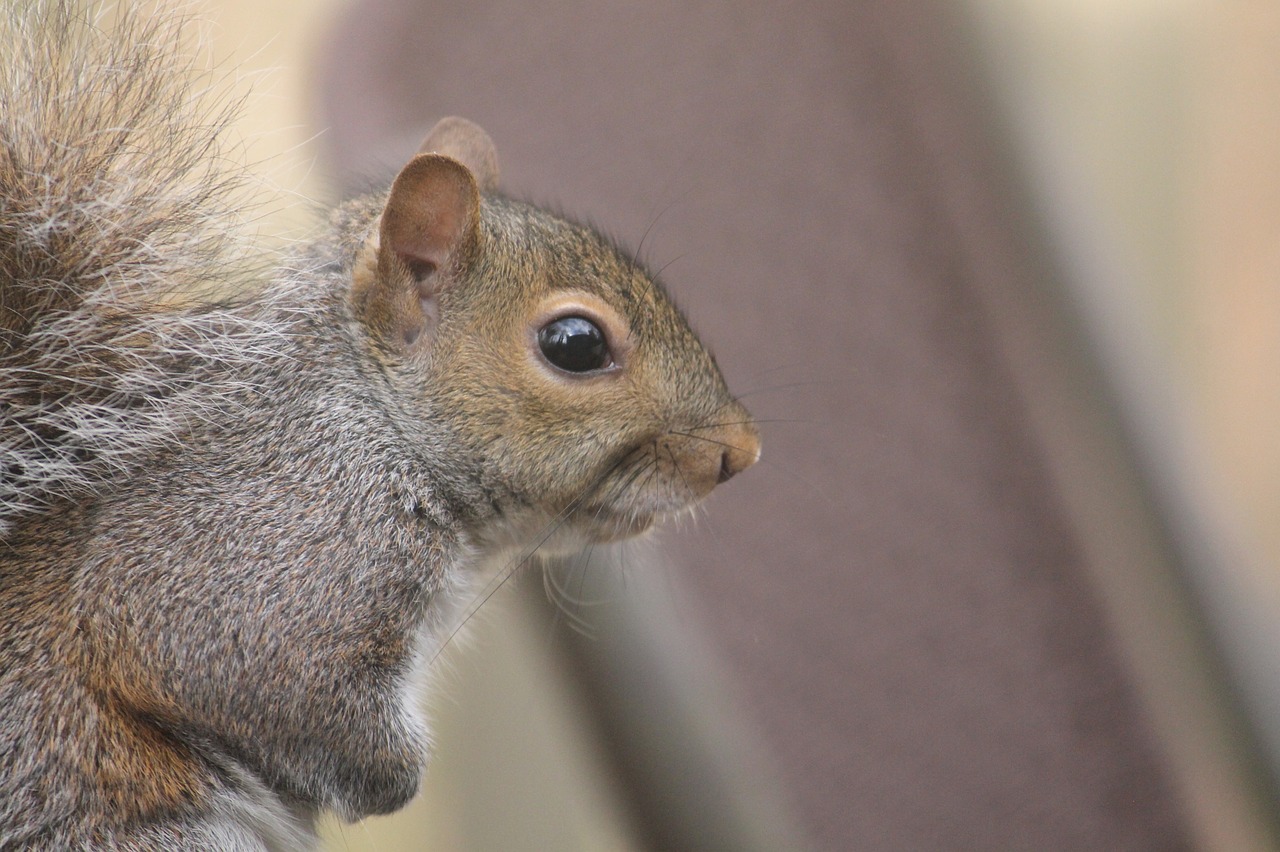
(574,344)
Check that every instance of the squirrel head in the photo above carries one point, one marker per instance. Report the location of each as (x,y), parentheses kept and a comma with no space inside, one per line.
(539,357)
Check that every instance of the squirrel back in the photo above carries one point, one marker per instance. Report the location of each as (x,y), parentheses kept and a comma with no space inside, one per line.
(234,530)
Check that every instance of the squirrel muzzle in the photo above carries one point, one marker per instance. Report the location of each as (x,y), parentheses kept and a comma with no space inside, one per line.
(710,455)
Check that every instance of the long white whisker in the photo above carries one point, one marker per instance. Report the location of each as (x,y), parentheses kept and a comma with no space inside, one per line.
(507,571)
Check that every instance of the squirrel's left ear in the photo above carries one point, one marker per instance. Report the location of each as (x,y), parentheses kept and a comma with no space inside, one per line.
(426,235)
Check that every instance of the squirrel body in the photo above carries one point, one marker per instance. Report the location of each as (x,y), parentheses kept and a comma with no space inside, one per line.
(233,531)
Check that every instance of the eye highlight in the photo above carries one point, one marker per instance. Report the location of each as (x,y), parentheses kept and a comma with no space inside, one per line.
(574,344)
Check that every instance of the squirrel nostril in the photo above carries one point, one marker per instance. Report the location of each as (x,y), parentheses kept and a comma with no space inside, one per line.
(741,449)
(727,467)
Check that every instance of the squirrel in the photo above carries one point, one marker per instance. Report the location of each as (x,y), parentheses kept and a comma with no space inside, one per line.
(233,529)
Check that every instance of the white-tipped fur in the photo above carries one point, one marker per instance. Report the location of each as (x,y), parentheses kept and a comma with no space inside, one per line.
(116,204)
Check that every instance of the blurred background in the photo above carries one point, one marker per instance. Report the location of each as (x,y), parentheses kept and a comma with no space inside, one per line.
(1001,278)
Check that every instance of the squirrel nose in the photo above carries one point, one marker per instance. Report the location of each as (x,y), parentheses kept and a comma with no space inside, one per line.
(741,450)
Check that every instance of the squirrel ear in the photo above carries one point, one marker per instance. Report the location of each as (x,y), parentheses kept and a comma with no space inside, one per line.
(426,234)
(431,217)
(467,143)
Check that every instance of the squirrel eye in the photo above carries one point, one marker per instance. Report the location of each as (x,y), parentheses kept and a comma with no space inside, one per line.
(574,344)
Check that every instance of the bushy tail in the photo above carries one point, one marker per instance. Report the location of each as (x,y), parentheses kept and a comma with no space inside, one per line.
(115,198)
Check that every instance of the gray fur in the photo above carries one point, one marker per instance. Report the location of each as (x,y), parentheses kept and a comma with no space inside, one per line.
(232,533)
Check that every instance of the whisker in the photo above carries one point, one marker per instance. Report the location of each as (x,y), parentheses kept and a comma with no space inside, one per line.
(558,595)
(664,266)
(781,367)
(509,570)
(764,460)
(652,280)
(562,599)
(563,593)
(708,440)
(786,386)
(585,628)
(752,420)
(656,219)
(549,588)
(582,577)
(653,471)
(676,464)
(651,466)
(650,463)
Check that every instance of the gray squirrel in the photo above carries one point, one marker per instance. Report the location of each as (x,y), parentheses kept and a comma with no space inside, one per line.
(233,529)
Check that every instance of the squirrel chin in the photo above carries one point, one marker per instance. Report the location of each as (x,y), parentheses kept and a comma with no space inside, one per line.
(565,538)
